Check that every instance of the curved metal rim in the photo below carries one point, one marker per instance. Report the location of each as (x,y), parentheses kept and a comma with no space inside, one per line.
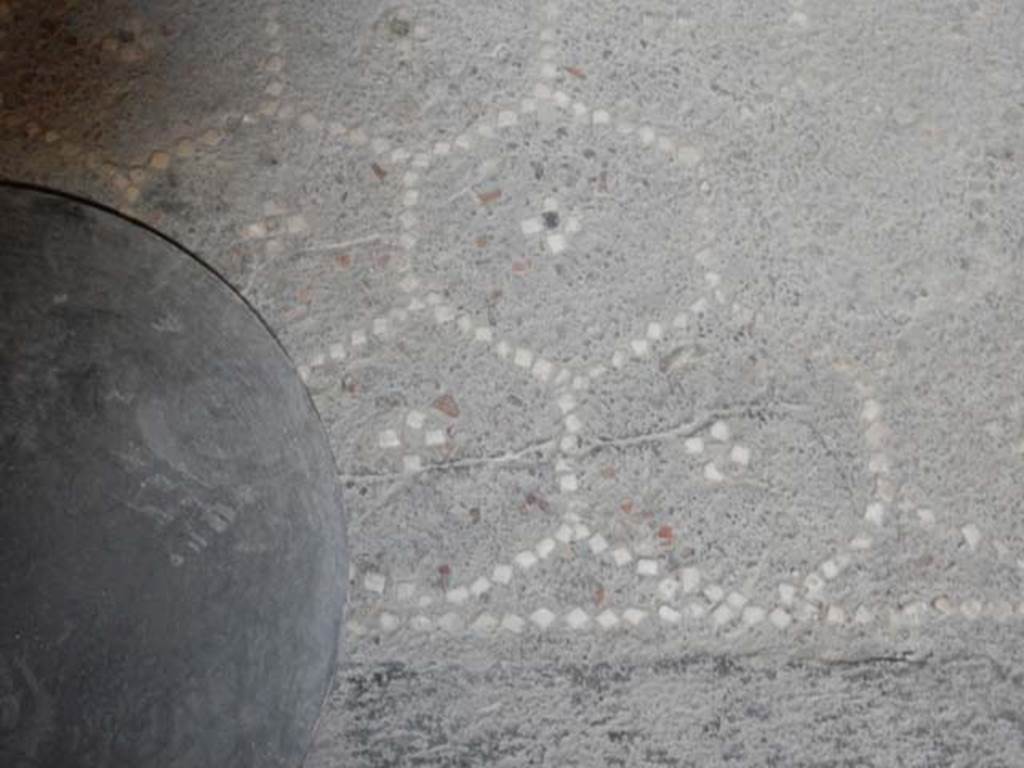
(84,201)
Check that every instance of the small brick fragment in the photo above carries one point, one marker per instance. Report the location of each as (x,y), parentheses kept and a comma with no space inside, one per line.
(446,404)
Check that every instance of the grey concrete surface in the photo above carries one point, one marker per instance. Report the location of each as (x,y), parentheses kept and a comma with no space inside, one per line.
(647,335)
(679,711)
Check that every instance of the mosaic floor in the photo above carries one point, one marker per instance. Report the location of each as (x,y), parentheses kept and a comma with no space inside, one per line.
(672,352)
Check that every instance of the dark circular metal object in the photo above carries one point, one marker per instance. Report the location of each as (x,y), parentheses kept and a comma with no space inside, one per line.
(171,539)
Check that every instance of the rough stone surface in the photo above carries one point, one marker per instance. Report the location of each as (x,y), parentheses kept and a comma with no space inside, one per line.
(643,332)
(680,711)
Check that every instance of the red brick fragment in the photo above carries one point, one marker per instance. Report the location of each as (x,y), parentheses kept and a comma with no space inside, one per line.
(446,404)
(445,572)
(491,196)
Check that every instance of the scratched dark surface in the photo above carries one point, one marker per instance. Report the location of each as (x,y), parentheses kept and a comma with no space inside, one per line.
(171,542)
